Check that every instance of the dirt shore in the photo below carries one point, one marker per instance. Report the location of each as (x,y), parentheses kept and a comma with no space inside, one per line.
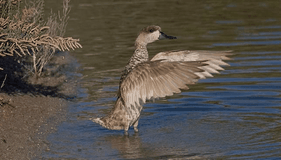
(33,109)
(25,122)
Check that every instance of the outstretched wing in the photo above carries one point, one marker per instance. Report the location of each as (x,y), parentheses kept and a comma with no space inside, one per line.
(167,73)
(214,59)
(156,79)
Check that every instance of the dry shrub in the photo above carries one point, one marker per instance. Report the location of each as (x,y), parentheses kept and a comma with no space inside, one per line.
(7,5)
(25,36)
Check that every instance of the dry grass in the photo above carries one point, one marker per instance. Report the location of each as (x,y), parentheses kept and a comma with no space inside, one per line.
(25,36)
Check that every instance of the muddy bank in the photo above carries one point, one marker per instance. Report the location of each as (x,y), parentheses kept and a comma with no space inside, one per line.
(25,122)
(32,110)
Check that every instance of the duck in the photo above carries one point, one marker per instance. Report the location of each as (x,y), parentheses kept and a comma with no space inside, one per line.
(165,74)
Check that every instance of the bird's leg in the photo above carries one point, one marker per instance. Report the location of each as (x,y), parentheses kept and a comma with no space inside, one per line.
(136,126)
(126,130)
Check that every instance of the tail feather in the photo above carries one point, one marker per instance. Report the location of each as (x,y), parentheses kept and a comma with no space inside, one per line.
(98,121)
(109,123)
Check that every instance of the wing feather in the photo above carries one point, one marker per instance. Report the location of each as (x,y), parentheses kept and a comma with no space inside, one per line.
(214,59)
(166,74)
(157,79)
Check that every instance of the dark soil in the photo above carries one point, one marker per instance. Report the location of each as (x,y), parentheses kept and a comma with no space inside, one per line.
(32,107)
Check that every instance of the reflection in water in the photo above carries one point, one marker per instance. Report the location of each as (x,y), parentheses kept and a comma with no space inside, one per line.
(128,146)
(235,115)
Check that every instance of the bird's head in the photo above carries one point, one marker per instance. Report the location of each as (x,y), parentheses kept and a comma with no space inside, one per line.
(150,34)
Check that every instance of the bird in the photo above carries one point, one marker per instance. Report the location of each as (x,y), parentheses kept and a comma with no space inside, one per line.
(163,75)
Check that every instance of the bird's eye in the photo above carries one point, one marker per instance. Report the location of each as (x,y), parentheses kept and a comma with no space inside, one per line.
(151,30)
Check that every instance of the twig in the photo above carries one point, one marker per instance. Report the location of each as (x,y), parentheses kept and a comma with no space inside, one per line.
(3,83)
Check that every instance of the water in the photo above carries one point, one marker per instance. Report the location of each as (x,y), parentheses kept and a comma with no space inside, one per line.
(235,115)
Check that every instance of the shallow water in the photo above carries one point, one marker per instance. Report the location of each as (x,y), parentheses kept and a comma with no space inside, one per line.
(235,115)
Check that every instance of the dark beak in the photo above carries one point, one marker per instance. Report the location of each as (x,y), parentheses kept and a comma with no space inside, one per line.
(164,36)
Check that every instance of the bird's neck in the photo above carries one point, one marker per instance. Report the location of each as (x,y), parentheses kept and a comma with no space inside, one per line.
(140,55)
